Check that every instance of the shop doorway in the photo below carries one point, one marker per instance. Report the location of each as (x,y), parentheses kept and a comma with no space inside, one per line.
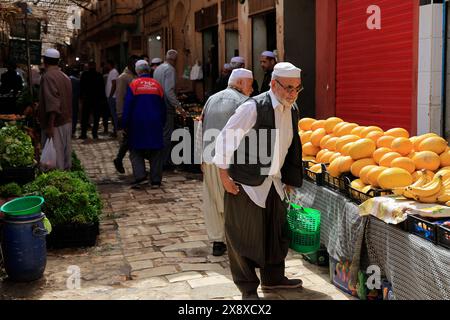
(264,38)
(155,46)
(211,59)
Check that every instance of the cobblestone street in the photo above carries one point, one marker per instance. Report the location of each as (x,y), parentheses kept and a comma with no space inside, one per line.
(152,245)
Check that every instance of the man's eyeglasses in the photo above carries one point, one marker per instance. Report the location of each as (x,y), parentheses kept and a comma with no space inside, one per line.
(291,89)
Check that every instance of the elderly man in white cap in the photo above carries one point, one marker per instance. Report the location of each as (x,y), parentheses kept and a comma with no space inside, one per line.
(156,62)
(55,109)
(166,75)
(216,113)
(256,179)
(239,62)
(267,61)
(144,117)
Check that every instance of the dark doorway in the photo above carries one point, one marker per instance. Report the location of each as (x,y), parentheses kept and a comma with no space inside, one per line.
(211,59)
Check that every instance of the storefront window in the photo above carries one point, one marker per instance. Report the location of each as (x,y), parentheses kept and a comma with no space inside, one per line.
(264,38)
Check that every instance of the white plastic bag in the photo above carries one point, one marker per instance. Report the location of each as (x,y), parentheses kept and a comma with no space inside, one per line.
(196,72)
(48,157)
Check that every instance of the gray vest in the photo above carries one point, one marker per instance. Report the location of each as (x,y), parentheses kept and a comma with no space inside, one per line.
(258,159)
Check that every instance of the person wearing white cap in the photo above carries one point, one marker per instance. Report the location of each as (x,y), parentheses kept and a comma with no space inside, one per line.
(255,184)
(156,62)
(222,81)
(267,61)
(166,75)
(55,109)
(144,117)
(239,62)
(216,113)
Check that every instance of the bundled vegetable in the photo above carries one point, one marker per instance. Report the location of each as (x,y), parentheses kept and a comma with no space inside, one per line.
(16,148)
(69,197)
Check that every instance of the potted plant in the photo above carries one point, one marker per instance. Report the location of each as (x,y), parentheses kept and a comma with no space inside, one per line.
(17,163)
(72,204)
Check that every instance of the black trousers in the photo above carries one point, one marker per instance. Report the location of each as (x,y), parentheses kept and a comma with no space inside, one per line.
(94,108)
(256,238)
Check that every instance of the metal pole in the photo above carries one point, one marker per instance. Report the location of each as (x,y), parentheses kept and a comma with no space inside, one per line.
(30,83)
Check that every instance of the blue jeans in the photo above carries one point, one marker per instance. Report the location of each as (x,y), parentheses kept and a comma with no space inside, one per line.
(112,109)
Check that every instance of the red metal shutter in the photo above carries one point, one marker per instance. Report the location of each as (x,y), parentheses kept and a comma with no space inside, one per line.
(375,68)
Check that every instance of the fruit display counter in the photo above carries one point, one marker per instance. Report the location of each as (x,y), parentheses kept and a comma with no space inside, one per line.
(416,268)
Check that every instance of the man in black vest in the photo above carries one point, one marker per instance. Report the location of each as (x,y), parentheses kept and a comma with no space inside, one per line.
(259,156)
(267,61)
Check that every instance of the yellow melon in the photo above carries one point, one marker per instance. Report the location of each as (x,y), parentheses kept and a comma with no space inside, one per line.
(387,159)
(357,184)
(360,164)
(419,139)
(373,175)
(379,153)
(305,137)
(426,160)
(364,174)
(346,164)
(317,135)
(345,150)
(370,129)
(394,178)
(324,141)
(342,141)
(333,168)
(363,148)
(319,124)
(375,135)
(445,159)
(325,158)
(330,123)
(331,144)
(402,145)
(335,156)
(346,129)
(366,189)
(385,142)
(435,144)
(398,133)
(306,123)
(317,168)
(320,154)
(404,163)
(357,131)
(310,150)
(338,127)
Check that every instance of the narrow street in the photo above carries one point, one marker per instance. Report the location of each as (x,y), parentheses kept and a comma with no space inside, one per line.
(152,245)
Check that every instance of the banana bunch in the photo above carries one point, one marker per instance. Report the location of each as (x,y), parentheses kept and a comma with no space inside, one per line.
(435,191)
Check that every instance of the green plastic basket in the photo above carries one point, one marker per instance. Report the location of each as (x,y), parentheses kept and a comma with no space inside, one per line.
(23,206)
(304,226)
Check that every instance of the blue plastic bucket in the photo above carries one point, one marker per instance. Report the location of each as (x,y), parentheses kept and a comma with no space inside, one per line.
(24,247)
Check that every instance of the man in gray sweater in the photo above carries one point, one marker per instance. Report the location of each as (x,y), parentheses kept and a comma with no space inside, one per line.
(218,110)
(166,75)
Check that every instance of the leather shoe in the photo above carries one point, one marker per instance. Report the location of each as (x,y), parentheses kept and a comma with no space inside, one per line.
(284,284)
(119,166)
(250,296)
(219,249)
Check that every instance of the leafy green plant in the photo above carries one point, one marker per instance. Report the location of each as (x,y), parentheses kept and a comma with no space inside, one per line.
(10,190)
(16,148)
(69,197)
(76,163)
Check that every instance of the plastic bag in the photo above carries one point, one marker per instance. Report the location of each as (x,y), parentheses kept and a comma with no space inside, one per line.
(48,157)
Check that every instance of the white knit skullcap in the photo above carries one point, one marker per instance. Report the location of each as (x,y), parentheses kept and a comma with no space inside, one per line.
(52,53)
(156,60)
(268,54)
(237,60)
(141,64)
(240,74)
(286,70)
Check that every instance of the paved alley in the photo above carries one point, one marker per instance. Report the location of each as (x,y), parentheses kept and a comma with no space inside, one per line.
(152,245)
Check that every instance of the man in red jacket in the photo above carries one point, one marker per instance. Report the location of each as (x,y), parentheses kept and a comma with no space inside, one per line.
(144,117)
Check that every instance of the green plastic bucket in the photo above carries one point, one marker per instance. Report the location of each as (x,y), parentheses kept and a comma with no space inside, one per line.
(23,206)
(304,227)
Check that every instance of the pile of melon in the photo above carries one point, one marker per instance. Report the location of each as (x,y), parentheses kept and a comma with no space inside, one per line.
(379,159)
